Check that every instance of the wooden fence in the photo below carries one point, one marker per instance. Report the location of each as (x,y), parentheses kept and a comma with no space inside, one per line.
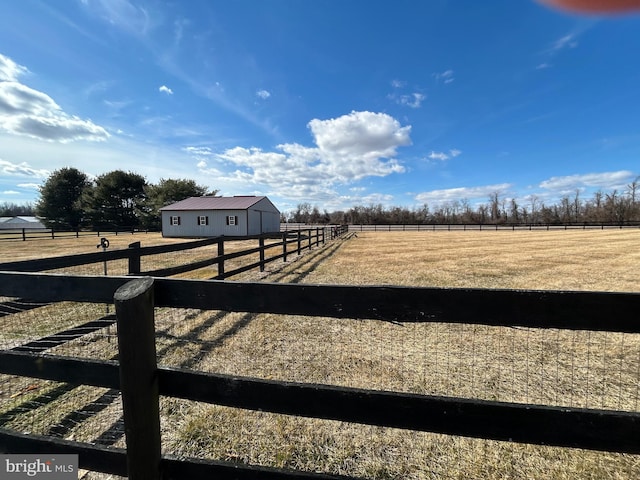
(142,381)
(34,234)
(292,242)
(25,234)
(438,227)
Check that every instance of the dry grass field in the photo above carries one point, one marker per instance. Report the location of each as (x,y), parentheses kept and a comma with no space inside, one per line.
(14,250)
(554,367)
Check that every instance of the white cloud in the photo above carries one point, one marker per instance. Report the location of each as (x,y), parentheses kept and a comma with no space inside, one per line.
(33,186)
(563,43)
(122,14)
(441,156)
(263,94)
(10,70)
(348,148)
(21,169)
(166,90)
(200,151)
(604,180)
(155,161)
(10,192)
(461,193)
(29,112)
(414,100)
(446,76)
(568,41)
(373,135)
(438,156)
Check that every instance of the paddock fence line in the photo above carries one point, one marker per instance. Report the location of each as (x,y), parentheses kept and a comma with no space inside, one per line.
(142,381)
(289,243)
(25,234)
(450,227)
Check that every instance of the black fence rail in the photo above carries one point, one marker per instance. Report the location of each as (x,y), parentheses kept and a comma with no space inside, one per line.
(291,242)
(25,234)
(435,227)
(142,381)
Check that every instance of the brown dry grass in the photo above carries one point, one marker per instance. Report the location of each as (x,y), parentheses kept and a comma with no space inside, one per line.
(579,369)
(15,250)
(605,260)
(565,368)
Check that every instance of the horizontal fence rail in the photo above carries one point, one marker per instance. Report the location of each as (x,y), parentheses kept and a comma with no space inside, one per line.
(606,430)
(558,426)
(114,461)
(25,234)
(597,311)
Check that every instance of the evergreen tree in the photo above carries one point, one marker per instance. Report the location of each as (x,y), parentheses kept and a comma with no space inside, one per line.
(60,203)
(166,192)
(117,200)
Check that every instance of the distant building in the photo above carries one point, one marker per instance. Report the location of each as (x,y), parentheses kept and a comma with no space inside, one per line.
(20,222)
(216,216)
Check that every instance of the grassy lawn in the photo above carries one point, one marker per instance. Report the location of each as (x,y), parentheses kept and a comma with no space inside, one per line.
(553,367)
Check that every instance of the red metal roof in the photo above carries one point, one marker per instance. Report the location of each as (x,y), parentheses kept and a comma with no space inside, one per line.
(214,203)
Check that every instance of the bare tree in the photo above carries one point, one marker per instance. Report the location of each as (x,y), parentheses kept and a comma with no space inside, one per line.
(535,205)
(576,205)
(494,206)
(513,211)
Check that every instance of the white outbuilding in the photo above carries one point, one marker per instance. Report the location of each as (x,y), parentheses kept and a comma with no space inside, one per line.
(237,216)
(20,222)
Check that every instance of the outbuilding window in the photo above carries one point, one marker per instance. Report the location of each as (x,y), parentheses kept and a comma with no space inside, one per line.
(175,220)
(203,220)
(232,220)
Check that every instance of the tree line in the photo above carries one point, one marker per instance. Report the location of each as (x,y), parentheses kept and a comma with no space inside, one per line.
(10,209)
(70,200)
(616,207)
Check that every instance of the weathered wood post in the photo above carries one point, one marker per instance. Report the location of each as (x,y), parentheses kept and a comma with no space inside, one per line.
(284,246)
(139,378)
(309,238)
(261,245)
(24,234)
(134,258)
(299,241)
(221,255)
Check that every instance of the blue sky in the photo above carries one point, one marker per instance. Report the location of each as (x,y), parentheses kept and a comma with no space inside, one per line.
(334,103)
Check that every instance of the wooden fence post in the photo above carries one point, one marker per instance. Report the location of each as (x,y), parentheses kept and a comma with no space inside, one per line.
(134,258)
(309,238)
(221,262)
(299,240)
(261,245)
(24,235)
(284,246)
(139,378)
